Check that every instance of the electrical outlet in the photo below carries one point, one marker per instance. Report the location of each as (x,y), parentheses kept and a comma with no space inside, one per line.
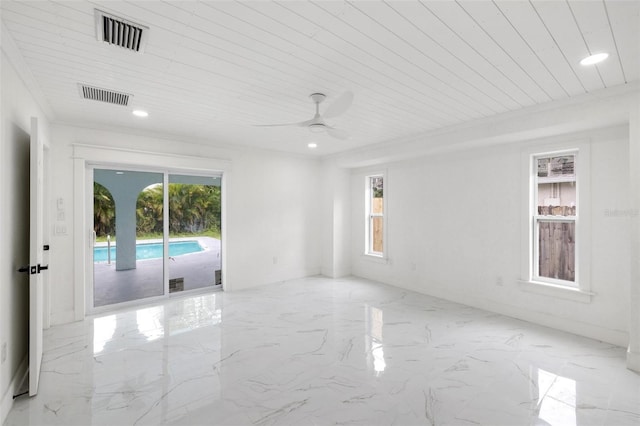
(4,352)
(275,260)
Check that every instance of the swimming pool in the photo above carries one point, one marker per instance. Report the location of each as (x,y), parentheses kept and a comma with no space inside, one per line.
(146,251)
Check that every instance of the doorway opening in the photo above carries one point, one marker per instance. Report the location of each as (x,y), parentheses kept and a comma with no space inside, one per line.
(155,233)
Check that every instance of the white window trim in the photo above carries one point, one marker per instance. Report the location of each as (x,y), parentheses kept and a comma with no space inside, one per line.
(553,290)
(368,228)
(580,290)
(537,218)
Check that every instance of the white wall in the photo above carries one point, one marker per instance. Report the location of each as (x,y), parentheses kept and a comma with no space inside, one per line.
(633,352)
(18,106)
(336,208)
(454,231)
(272,209)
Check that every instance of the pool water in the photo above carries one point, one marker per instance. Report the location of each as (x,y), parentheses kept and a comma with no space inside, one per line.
(150,250)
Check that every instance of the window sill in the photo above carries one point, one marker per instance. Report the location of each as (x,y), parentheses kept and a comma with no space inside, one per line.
(375,258)
(559,291)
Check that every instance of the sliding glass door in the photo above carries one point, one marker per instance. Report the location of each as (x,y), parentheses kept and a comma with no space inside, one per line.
(128,252)
(136,255)
(194,232)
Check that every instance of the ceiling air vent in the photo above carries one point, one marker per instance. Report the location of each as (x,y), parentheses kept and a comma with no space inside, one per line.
(104,95)
(120,32)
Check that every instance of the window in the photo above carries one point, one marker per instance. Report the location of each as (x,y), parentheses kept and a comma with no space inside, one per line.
(555,218)
(375,215)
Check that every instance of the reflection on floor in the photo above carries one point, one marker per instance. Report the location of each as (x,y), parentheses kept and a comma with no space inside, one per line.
(197,269)
(318,351)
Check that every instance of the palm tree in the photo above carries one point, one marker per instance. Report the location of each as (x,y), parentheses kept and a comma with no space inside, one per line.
(104,211)
(149,210)
(192,209)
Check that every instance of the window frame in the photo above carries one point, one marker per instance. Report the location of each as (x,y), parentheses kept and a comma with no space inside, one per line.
(580,291)
(537,218)
(370,215)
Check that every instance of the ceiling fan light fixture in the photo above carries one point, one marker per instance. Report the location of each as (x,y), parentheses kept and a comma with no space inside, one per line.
(316,128)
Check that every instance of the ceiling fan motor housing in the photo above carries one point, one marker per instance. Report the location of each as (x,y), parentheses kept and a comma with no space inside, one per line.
(317,127)
(317,97)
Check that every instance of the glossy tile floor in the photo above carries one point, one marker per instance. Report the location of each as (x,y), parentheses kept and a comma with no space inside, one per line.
(317,352)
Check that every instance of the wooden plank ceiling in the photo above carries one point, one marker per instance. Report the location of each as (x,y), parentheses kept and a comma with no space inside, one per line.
(213,70)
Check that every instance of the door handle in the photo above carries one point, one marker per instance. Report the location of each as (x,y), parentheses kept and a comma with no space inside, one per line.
(33,269)
(30,269)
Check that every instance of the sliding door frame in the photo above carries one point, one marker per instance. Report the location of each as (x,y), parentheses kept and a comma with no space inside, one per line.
(89,157)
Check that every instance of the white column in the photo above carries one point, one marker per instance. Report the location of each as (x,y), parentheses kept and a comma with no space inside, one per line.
(125,199)
(633,352)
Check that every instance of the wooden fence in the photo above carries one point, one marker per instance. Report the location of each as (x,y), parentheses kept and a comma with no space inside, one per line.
(557,250)
(377,207)
(556,210)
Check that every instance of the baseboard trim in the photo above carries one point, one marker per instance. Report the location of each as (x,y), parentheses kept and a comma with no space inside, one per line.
(14,386)
(570,325)
(591,331)
(633,361)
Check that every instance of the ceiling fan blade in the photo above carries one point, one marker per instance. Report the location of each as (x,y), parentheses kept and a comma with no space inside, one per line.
(338,133)
(339,106)
(301,124)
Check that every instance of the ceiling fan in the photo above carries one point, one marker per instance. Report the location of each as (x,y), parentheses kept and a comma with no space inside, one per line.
(317,123)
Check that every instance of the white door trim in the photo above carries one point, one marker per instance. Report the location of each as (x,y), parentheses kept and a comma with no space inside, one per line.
(85,156)
(36,232)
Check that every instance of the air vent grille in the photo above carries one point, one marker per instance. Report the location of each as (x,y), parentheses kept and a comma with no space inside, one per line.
(104,95)
(120,32)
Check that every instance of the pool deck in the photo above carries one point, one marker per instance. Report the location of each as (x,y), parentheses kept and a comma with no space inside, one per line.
(197,270)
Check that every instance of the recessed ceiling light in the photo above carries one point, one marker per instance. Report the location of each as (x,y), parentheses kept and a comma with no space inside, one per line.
(140,113)
(594,59)
(312,145)
(119,173)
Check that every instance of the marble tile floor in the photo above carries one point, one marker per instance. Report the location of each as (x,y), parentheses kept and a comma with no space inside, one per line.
(318,351)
